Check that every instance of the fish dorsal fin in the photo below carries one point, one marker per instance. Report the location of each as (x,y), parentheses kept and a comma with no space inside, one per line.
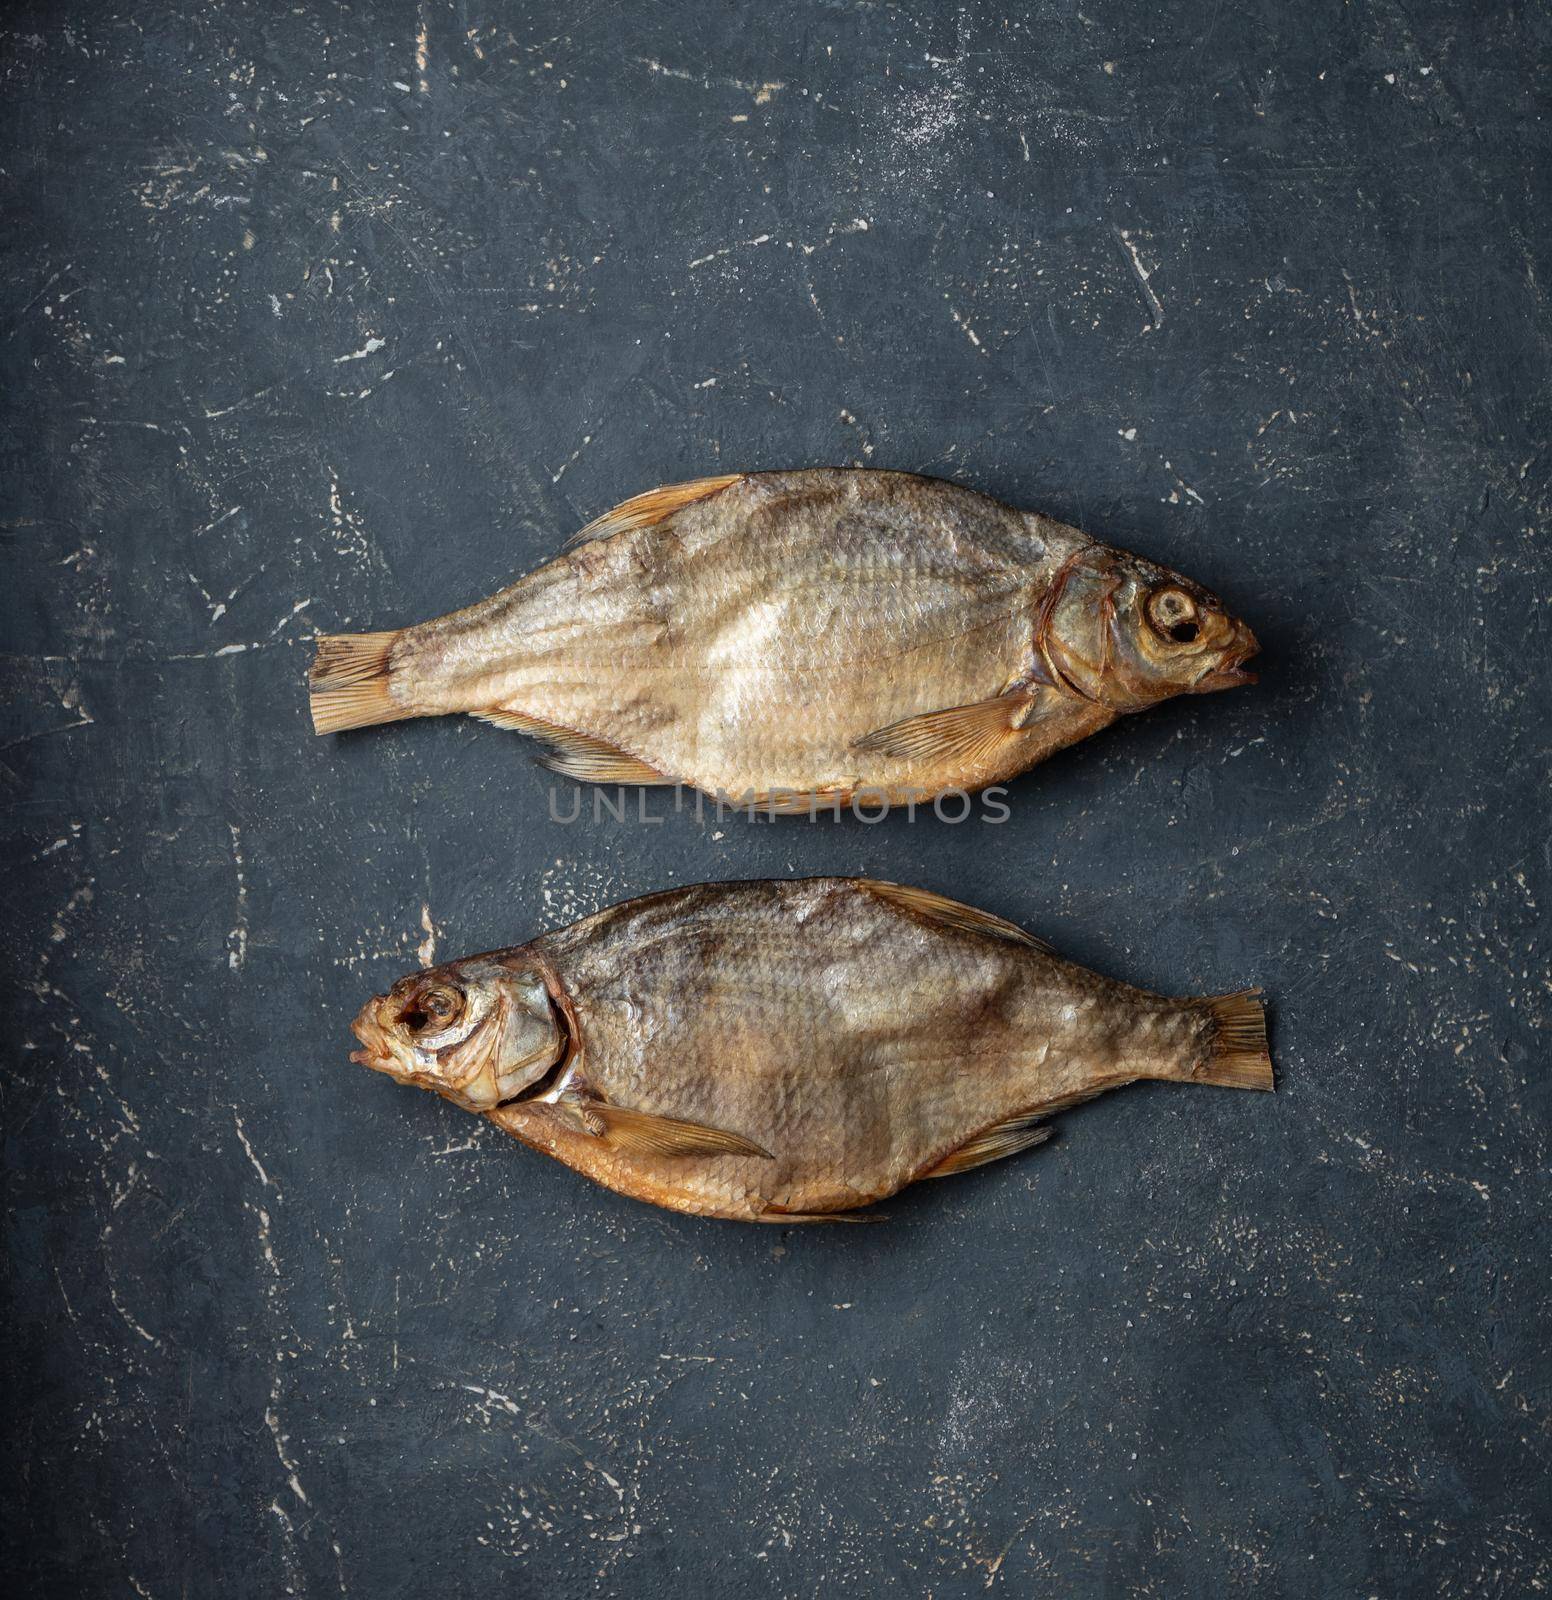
(974,732)
(577,755)
(643,1133)
(951,914)
(1001,1139)
(643,510)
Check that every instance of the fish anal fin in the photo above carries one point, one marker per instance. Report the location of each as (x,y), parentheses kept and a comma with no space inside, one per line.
(518,721)
(999,1140)
(643,510)
(971,733)
(780,1214)
(794,803)
(950,913)
(644,1133)
(577,755)
(1081,1097)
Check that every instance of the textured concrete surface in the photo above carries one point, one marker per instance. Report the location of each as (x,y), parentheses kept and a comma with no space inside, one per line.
(338,316)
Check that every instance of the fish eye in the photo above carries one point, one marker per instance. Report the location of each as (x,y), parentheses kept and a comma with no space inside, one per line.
(432,1010)
(1173,614)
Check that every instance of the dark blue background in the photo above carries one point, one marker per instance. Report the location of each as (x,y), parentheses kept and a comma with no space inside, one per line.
(308,325)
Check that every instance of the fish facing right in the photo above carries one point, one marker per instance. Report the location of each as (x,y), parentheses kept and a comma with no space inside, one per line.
(802,639)
(789,1051)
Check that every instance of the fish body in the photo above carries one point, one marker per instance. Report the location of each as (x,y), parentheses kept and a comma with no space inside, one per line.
(804,636)
(790,1050)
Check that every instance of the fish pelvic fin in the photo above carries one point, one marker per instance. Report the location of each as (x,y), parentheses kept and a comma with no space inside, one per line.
(349,683)
(1001,1139)
(1239,1057)
(577,755)
(656,505)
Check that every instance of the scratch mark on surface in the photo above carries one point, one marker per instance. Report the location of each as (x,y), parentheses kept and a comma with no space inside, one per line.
(1181,488)
(272,1421)
(1352,299)
(728,249)
(225,650)
(570,461)
(237,405)
(762,92)
(653,65)
(258,1166)
(44,733)
(471,1143)
(288,1556)
(119,1306)
(297,609)
(966,329)
(1002,1555)
(231,511)
(425,951)
(1155,307)
(237,937)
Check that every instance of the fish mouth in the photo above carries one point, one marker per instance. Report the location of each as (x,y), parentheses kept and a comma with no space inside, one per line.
(1232,672)
(378,1049)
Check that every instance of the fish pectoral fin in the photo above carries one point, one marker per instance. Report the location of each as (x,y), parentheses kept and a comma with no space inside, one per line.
(950,913)
(643,510)
(999,1140)
(577,755)
(643,1133)
(975,732)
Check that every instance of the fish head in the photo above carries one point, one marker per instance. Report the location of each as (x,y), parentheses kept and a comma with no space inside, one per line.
(1125,633)
(478,1032)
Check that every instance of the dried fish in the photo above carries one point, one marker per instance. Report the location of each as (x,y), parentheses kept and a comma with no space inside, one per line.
(790,1051)
(803,638)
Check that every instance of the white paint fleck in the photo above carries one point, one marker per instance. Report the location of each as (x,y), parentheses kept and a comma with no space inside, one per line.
(369,348)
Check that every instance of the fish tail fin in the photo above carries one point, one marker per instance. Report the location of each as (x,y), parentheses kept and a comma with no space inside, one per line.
(348,686)
(1239,1057)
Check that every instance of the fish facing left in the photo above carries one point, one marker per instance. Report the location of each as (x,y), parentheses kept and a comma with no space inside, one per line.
(788,1051)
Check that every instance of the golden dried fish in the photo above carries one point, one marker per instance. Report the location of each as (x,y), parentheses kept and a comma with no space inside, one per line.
(804,637)
(787,1051)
